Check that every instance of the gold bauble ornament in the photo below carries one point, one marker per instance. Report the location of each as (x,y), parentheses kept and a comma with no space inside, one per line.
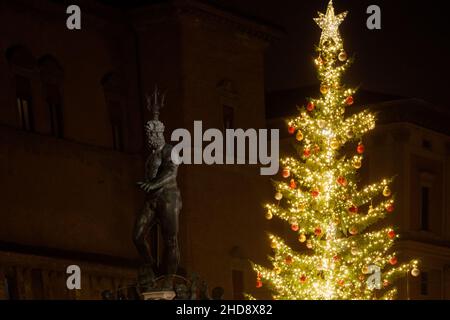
(278,196)
(387,192)
(356,162)
(323,89)
(354,251)
(273,245)
(415,272)
(277,270)
(335,144)
(342,56)
(302,238)
(365,270)
(269,215)
(299,136)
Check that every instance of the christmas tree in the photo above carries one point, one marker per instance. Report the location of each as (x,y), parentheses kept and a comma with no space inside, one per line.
(342,252)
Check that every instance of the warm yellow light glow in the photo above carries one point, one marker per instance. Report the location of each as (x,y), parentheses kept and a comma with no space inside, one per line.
(326,209)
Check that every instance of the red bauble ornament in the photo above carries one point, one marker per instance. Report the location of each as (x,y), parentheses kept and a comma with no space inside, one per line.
(288,260)
(291,130)
(391,234)
(349,101)
(286,173)
(316,148)
(295,227)
(303,279)
(353,231)
(341,282)
(315,193)
(306,153)
(310,106)
(336,258)
(342,181)
(318,231)
(259,284)
(393,261)
(353,209)
(360,148)
(292,184)
(385,283)
(390,208)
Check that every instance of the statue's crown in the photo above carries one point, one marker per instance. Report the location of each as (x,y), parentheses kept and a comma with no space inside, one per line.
(155,102)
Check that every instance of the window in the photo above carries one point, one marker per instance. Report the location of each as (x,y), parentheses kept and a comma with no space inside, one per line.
(117,137)
(426,144)
(11,289)
(25,115)
(37,284)
(22,66)
(228,117)
(23,98)
(427,214)
(55,110)
(115,102)
(424,208)
(238,284)
(56,119)
(228,101)
(52,77)
(424,283)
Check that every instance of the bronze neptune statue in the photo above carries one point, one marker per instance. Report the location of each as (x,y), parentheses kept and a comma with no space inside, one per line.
(162,203)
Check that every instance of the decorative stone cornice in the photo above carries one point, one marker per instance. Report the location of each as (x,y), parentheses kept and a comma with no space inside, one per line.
(437,249)
(145,16)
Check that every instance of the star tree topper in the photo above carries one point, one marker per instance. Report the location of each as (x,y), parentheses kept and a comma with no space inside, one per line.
(329,23)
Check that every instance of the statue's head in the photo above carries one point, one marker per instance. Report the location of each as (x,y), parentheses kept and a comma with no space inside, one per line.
(155,134)
(154,127)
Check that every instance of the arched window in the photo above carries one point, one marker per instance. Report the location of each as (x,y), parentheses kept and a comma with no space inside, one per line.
(229,100)
(52,77)
(113,88)
(22,64)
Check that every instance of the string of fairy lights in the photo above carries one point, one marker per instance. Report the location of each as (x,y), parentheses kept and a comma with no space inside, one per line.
(319,197)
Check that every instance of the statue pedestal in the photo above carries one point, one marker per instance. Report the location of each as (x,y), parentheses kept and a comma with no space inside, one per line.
(159,295)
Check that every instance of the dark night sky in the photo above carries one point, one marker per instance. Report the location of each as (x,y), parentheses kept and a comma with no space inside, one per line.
(409,56)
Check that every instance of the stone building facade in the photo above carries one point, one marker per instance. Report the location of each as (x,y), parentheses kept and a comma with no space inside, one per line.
(72,112)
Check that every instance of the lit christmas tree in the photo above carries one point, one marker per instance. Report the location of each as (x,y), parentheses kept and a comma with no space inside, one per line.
(341,253)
